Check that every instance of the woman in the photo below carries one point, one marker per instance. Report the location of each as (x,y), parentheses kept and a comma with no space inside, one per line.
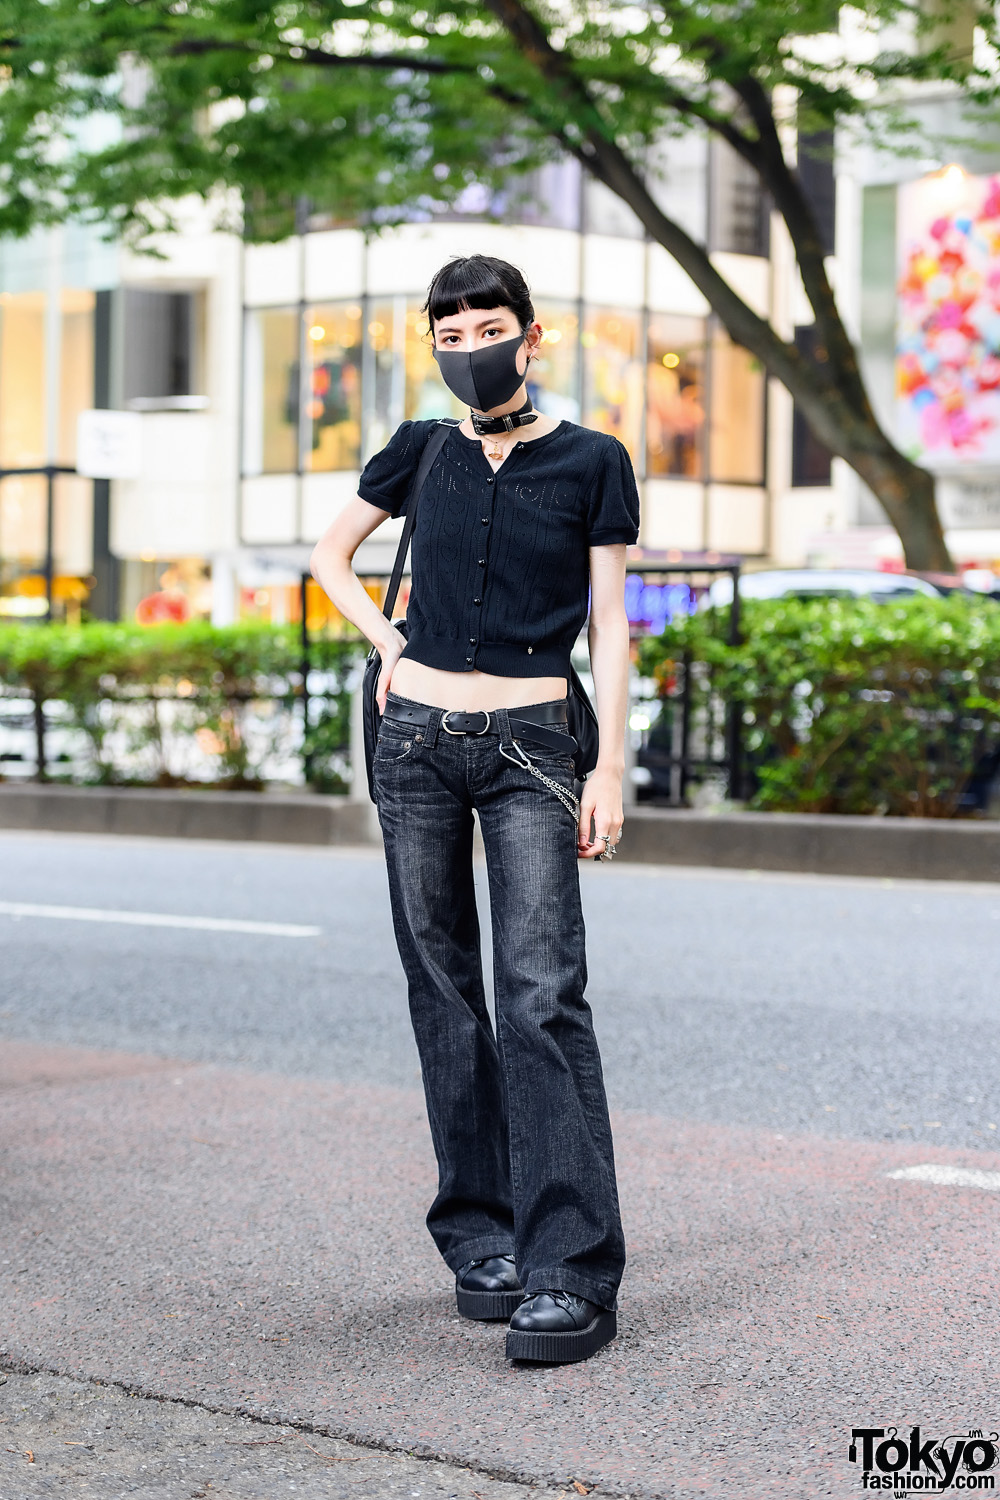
(520,512)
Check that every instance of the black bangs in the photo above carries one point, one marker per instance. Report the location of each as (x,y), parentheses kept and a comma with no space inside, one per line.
(479,281)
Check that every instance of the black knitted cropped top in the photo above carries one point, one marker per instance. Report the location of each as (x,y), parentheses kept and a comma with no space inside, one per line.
(499,562)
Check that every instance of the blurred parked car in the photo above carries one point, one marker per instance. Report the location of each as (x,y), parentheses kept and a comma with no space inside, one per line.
(823,583)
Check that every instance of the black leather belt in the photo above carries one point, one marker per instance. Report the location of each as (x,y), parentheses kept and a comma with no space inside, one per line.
(528,723)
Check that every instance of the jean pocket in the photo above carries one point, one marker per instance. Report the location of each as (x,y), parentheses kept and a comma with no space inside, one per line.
(546,757)
(395,742)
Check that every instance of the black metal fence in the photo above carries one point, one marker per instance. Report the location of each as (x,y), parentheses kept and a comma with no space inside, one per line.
(686,737)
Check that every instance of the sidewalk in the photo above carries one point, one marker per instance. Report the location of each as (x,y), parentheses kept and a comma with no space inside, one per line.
(88,1441)
(254,1245)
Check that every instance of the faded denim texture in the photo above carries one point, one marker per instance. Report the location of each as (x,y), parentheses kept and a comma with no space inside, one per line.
(518,1118)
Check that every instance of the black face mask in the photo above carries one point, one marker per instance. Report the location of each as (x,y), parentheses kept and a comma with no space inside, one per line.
(483,378)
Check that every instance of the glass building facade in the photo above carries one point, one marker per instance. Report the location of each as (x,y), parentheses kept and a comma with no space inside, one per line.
(47,372)
(333,366)
(326,385)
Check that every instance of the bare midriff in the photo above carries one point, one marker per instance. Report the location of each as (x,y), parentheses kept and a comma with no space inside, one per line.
(471,690)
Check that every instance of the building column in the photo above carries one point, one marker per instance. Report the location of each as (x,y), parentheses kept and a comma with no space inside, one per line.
(224,590)
(105,598)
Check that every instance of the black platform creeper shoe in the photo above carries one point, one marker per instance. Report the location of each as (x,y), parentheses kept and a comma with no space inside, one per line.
(559,1327)
(488,1289)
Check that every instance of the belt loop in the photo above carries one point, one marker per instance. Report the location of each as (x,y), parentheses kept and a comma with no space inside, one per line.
(502,722)
(432,726)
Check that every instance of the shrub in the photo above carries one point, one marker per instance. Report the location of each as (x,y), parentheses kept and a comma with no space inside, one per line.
(135,693)
(849,706)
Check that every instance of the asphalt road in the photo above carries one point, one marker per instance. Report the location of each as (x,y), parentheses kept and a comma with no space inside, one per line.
(216,1165)
(850,1008)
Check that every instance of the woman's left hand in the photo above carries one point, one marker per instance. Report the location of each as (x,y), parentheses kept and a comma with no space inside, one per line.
(602,802)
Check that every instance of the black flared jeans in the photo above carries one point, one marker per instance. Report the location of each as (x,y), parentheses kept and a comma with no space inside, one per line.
(519,1115)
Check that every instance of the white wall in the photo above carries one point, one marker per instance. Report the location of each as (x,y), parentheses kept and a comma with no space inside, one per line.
(185,502)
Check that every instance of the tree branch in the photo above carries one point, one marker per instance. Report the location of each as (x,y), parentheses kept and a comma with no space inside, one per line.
(317,57)
(796,210)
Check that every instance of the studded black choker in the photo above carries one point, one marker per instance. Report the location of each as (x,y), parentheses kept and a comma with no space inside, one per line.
(486,426)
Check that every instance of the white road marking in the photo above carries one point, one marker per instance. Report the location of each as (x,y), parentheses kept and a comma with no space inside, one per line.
(945,1176)
(156,919)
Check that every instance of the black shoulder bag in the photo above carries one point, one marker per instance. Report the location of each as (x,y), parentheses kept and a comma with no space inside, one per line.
(579,709)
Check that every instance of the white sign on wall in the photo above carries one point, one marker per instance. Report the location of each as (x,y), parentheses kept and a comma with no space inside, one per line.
(109,444)
(972,501)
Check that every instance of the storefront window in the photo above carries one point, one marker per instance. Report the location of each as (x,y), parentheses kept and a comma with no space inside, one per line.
(613,375)
(682,406)
(24,504)
(76,383)
(554,373)
(271,391)
(22,546)
(166,591)
(675,398)
(383,372)
(333,396)
(22,379)
(736,433)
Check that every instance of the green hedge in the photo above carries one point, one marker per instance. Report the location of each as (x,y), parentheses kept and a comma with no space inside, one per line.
(850,706)
(116,678)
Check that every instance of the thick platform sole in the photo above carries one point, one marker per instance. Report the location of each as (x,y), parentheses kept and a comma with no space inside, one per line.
(563,1348)
(488,1307)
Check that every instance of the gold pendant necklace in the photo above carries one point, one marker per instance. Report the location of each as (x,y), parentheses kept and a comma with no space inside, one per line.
(497,450)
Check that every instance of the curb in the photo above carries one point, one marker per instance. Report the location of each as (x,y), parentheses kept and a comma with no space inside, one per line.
(815,843)
(243,816)
(810,843)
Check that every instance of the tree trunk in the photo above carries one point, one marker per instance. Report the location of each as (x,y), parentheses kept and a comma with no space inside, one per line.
(906,494)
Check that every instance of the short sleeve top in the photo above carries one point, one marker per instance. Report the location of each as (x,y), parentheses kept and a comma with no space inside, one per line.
(499,564)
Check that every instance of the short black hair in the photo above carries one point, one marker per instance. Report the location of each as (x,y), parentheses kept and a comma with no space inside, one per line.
(479,281)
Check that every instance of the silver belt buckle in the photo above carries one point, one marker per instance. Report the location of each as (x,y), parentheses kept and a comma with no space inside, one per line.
(446,726)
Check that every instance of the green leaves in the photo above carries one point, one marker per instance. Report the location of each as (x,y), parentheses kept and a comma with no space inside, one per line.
(152,686)
(336,102)
(852,706)
(353,105)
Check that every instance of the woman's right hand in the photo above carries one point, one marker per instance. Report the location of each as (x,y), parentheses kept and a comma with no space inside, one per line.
(390,654)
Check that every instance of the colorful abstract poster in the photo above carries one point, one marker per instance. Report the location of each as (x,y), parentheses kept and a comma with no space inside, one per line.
(948,328)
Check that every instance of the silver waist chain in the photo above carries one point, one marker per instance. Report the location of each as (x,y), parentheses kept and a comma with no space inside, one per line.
(567,799)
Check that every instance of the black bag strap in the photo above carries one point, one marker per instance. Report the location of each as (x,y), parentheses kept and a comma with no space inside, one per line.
(432,448)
